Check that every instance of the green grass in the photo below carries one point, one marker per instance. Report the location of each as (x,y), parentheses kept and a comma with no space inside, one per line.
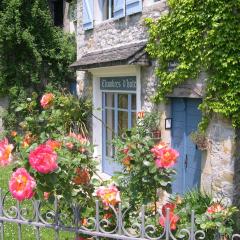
(28,232)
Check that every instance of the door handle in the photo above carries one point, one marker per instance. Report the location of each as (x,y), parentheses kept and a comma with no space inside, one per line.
(186,161)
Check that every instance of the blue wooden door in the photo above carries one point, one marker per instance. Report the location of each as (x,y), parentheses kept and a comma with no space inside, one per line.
(185,119)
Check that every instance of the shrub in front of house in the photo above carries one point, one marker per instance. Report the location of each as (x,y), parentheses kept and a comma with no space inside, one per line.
(50,153)
(215,217)
(145,163)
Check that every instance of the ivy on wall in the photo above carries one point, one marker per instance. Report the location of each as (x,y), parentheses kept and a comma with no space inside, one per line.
(200,36)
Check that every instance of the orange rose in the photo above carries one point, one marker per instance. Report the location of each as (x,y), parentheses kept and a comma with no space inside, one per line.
(46,100)
(215,208)
(27,140)
(83,176)
(127,160)
(53,144)
(13,133)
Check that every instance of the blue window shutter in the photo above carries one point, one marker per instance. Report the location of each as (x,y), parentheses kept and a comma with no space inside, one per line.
(87,14)
(119,8)
(133,6)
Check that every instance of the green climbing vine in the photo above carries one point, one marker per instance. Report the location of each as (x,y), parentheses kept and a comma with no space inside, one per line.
(200,36)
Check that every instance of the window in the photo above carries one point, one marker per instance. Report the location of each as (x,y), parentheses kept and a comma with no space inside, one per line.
(108,9)
(57,12)
(101,10)
(119,115)
(72,14)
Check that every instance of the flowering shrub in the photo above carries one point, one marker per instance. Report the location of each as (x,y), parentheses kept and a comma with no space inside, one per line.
(212,217)
(54,113)
(56,168)
(217,218)
(46,165)
(147,166)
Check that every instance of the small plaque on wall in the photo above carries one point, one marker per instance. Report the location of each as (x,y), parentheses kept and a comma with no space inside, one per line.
(126,83)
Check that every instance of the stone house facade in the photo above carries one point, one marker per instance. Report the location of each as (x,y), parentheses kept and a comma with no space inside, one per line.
(115,71)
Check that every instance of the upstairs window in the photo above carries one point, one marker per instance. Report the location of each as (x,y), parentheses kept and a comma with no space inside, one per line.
(109,9)
(56,8)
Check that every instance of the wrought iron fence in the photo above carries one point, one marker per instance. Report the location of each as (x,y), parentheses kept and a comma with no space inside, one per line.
(95,226)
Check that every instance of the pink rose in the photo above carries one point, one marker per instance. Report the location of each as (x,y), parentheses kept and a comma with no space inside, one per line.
(5,152)
(22,185)
(46,195)
(46,100)
(156,150)
(81,139)
(167,158)
(215,208)
(109,195)
(43,159)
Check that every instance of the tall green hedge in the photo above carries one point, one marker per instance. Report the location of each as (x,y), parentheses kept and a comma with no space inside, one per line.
(33,52)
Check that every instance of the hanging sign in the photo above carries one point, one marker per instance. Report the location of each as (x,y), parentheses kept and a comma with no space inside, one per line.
(118,83)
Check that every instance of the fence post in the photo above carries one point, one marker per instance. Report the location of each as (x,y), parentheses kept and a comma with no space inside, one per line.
(36,209)
(1,215)
(76,220)
(119,218)
(19,218)
(97,218)
(192,225)
(167,224)
(56,228)
(143,222)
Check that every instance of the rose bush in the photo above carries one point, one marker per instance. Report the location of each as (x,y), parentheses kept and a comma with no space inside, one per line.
(55,112)
(212,216)
(145,163)
(46,166)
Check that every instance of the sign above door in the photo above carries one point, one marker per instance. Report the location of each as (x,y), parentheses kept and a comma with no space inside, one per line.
(126,83)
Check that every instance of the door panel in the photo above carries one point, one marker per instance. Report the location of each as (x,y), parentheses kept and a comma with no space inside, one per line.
(185,119)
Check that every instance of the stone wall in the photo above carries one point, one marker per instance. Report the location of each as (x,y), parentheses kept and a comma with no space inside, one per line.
(112,33)
(116,32)
(218,161)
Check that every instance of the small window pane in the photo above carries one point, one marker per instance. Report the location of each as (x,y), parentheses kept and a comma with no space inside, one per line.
(134,119)
(134,105)
(123,101)
(122,122)
(109,132)
(110,100)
